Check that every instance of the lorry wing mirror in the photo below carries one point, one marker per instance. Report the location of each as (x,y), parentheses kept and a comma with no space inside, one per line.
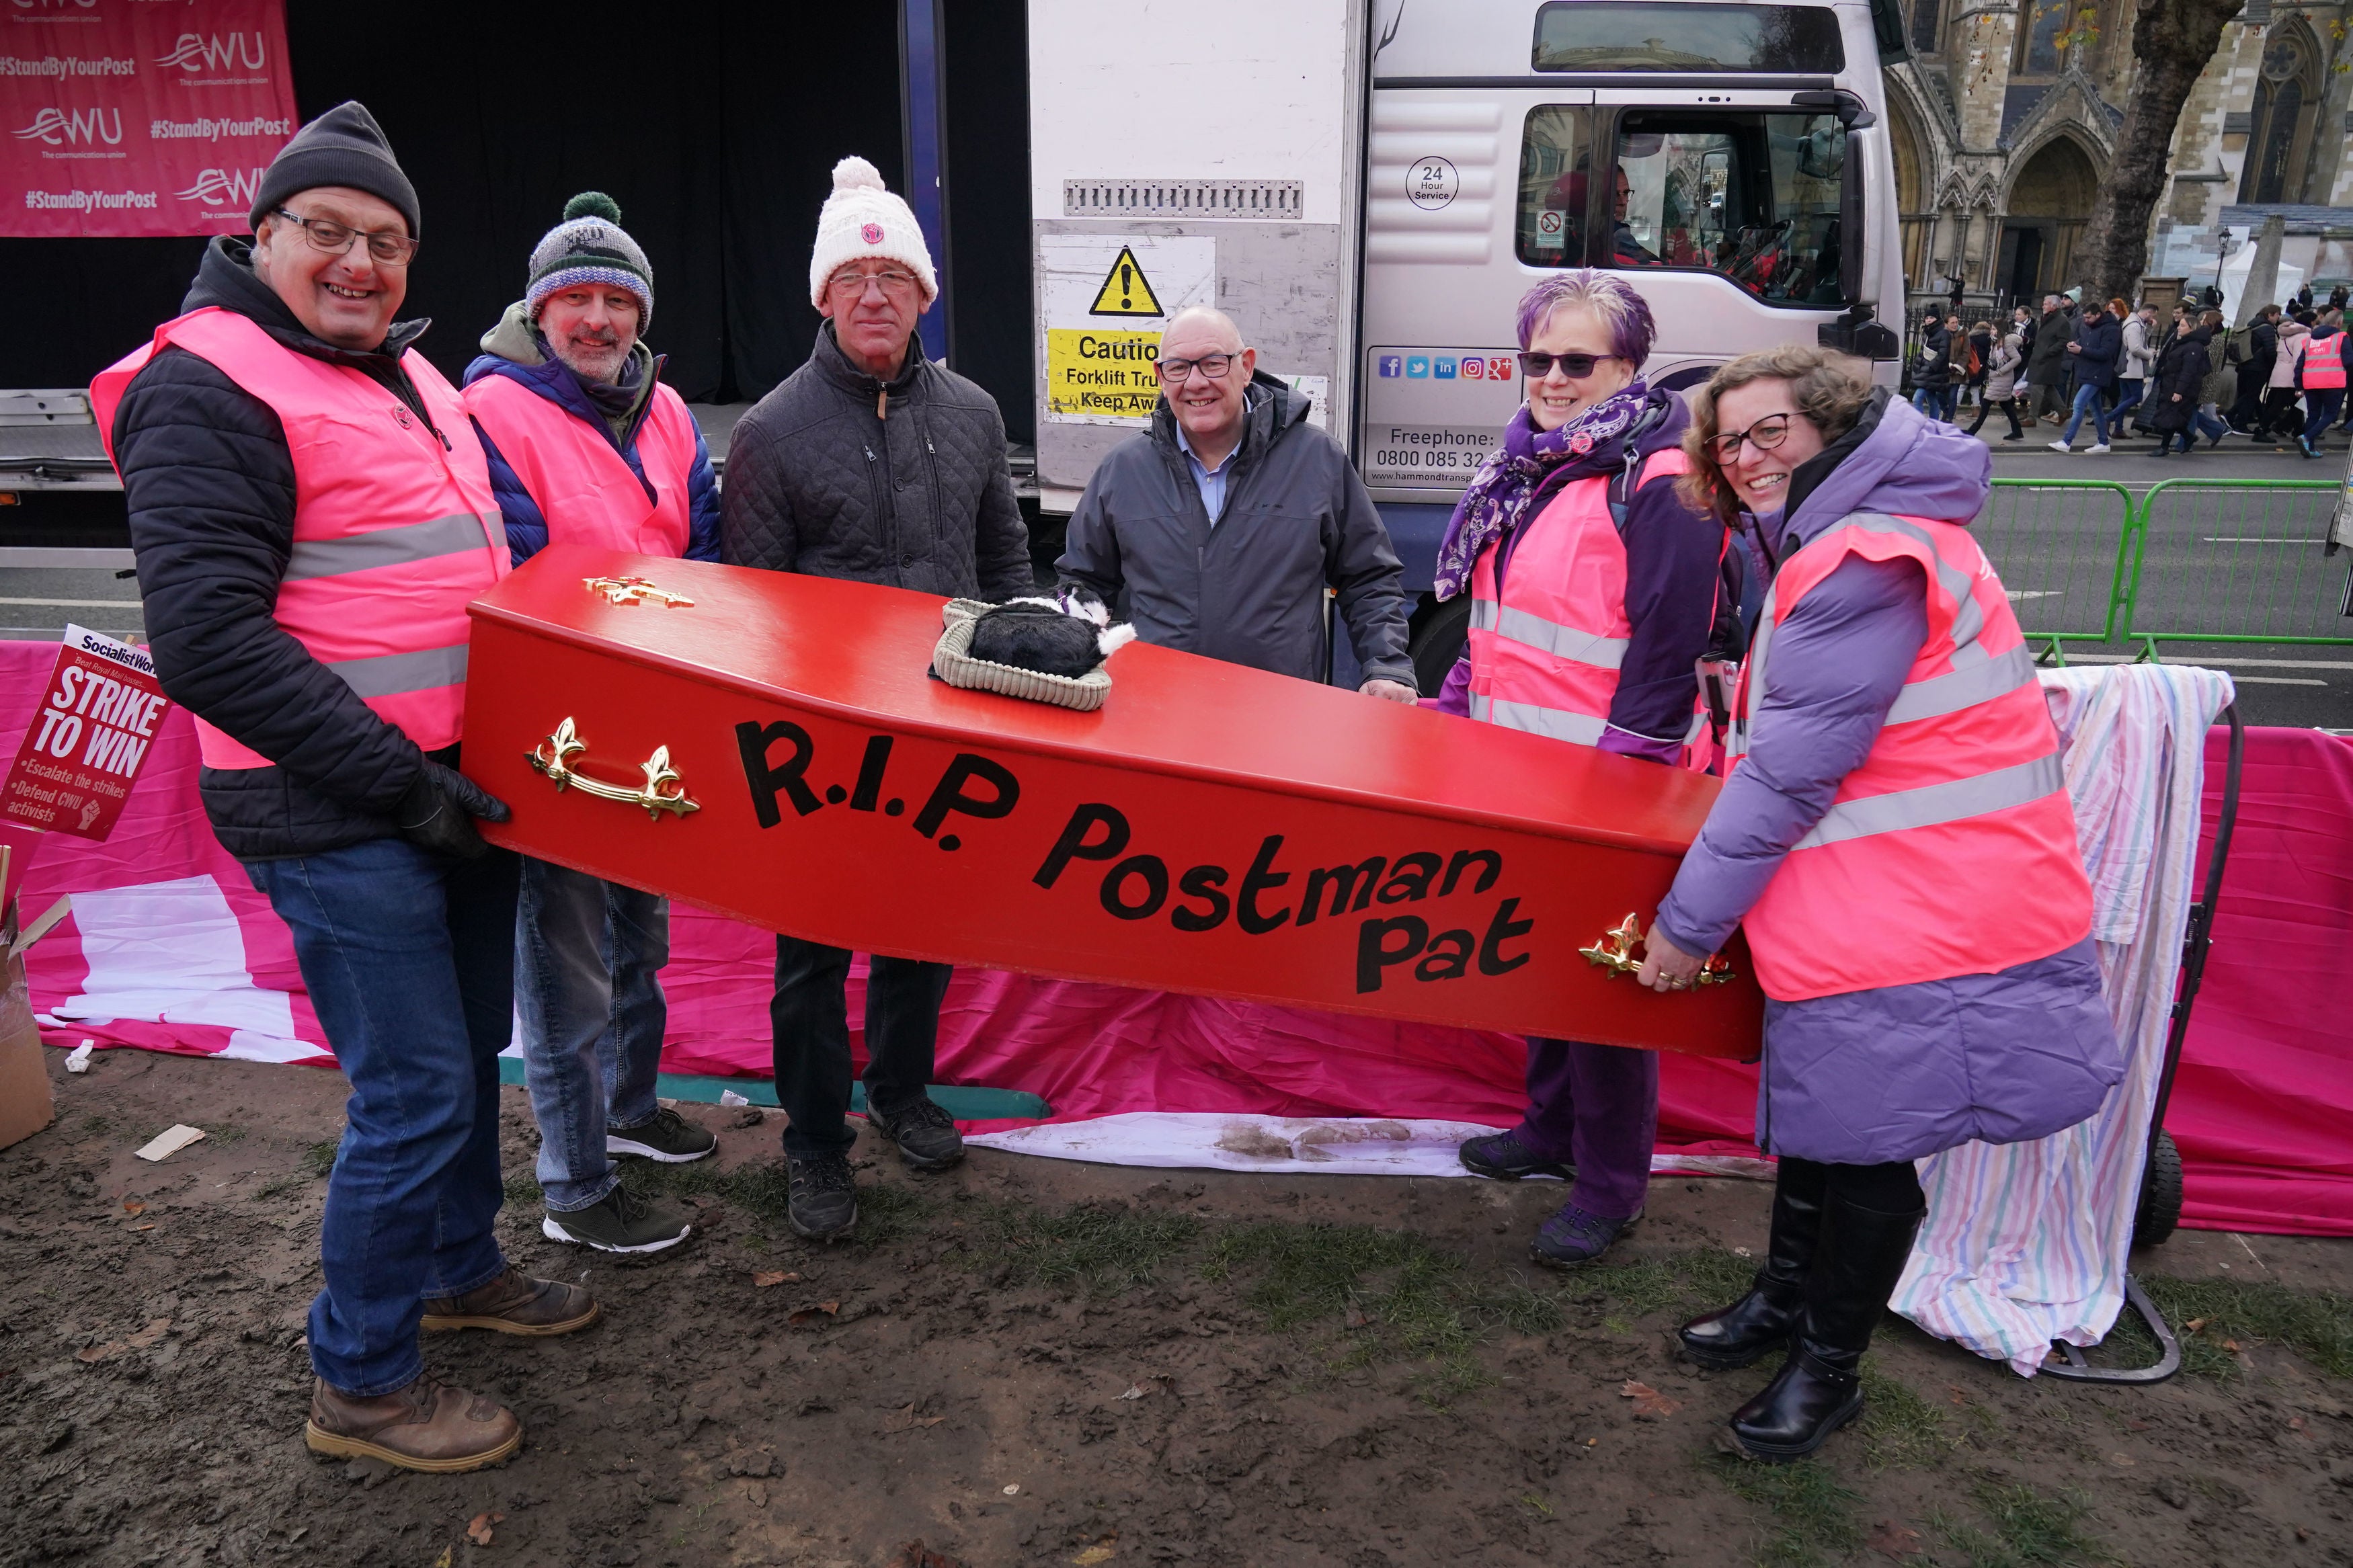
(1853,113)
(1857,333)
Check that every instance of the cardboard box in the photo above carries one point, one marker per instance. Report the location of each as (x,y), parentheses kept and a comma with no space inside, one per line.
(26,1106)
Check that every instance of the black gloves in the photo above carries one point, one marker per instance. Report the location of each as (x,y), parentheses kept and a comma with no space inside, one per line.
(438,811)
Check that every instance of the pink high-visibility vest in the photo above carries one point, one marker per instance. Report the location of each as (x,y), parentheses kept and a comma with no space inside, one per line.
(2324,362)
(1952,849)
(395,532)
(1545,653)
(581,482)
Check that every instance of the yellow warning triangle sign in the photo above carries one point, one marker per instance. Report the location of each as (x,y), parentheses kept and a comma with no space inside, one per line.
(1125,291)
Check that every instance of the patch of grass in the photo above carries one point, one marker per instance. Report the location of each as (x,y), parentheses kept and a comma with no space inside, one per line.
(2030,1527)
(1103,1248)
(1812,1514)
(319,1158)
(1899,1429)
(522,1190)
(2315,1324)
(887,1212)
(1703,1276)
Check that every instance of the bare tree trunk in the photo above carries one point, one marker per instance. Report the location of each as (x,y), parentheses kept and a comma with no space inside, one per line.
(2172,41)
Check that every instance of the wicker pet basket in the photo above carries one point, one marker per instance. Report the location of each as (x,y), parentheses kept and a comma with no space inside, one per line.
(952,664)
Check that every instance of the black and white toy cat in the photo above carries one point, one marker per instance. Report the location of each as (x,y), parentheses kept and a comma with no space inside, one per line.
(1067,634)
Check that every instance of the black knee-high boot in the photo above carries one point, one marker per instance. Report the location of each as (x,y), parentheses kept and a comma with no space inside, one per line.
(1860,1258)
(1737,1335)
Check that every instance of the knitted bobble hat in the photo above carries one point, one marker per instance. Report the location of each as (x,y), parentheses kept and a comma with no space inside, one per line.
(863,219)
(590,247)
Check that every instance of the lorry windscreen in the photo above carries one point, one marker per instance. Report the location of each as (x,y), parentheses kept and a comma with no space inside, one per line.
(1756,197)
(1616,35)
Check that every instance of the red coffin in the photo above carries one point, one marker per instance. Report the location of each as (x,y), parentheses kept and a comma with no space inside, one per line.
(1210,828)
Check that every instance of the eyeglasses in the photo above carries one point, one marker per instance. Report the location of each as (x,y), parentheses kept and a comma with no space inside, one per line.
(1577,367)
(1174,371)
(335,239)
(850,285)
(1765,435)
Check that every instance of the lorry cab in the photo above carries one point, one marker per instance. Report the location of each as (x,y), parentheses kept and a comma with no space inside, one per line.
(1733,156)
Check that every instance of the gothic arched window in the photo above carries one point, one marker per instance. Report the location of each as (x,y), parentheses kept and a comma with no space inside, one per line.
(2277,131)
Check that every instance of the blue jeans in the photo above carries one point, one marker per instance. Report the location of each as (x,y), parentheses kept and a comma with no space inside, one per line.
(1935,401)
(2088,399)
(2324,402)
(2200,424)
(410,959)
(588,957)
(809,1016)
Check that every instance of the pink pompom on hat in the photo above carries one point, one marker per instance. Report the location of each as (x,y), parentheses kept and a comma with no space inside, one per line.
(863,219)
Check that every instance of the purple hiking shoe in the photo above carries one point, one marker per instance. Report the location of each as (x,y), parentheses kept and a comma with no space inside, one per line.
(1500,1156)
(1573,1237)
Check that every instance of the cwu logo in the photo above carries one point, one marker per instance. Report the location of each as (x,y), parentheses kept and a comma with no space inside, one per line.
(58,128)
(223,188)
(216,52)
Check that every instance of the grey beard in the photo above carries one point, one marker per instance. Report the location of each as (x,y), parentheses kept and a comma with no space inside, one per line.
(592,361)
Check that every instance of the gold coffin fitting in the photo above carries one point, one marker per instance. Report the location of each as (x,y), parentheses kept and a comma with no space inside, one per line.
(633,591)
(662,790)
(1614,954)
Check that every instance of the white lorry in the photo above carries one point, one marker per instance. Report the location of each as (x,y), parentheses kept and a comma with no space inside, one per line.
(1368,186)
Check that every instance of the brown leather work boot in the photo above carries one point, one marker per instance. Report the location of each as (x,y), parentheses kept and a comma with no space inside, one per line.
(427,1425)
(515,1303)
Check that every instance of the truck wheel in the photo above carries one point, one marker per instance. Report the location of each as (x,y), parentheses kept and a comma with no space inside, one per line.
(1439,637)
(2159,1209)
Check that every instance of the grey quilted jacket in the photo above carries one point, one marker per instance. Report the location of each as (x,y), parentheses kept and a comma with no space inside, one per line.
(918,498)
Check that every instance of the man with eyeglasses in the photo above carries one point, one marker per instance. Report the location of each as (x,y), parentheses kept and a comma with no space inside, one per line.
(312,513)
(871,463)
(1224,523)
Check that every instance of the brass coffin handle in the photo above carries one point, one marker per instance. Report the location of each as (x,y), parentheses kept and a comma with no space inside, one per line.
(633,591)
(662,790)
(1614,954)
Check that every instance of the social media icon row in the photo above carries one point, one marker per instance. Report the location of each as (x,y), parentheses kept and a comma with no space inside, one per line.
(1447,367)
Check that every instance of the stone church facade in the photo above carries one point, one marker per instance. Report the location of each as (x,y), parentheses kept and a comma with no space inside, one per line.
(2004,120)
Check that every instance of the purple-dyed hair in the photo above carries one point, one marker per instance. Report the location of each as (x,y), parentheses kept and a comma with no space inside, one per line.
(1615,303)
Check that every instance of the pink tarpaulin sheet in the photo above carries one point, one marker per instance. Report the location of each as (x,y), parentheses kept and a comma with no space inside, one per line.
(169,948)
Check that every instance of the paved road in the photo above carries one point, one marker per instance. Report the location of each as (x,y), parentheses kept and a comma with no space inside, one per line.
(2213,562)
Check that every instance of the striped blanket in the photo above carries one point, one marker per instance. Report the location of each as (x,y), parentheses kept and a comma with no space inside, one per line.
(2025,1243)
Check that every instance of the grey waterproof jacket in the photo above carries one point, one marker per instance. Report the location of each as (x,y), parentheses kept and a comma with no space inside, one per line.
(919,497)
(1250,590)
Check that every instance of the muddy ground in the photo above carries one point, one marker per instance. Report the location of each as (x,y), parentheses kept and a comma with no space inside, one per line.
(1030,1361)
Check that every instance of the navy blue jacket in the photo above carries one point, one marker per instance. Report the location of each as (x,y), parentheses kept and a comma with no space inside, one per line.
(2102,343)
(551,379)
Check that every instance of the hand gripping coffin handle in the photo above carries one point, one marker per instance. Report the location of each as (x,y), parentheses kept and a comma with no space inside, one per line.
(1614,955)
(662,790)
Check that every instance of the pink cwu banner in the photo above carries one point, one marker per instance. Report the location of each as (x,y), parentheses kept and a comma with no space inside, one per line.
(128,117)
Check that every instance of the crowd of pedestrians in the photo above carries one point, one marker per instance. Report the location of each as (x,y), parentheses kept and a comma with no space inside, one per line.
(312,507)
(2124,369)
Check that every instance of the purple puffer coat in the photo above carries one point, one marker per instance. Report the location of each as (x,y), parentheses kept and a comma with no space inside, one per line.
(1901,1071)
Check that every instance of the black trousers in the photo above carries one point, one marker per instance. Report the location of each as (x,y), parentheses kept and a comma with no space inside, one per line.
(809,1016)
(1893,1188)
(2008,406)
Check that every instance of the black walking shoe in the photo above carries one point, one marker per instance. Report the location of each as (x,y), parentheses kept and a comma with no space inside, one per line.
(620,1221)
(824,1202)
(926,1135)
(1799,1410)
(1741,1334)
(669,1138)
(1502,1157)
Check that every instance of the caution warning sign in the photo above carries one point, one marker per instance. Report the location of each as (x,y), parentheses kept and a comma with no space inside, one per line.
(1104,301)
(1125,290)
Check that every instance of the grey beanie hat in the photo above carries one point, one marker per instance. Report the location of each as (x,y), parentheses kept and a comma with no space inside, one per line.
(346,147)
(590,247)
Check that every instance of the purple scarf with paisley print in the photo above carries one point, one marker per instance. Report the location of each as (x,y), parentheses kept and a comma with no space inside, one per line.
(1500,492)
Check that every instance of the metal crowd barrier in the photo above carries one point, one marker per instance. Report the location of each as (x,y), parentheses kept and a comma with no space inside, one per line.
(2188,560)
(2224,561)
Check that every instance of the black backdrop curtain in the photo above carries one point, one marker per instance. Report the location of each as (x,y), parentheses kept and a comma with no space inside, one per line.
(714,123)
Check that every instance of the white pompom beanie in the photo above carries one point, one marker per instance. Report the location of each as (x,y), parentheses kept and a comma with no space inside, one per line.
(861,219)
